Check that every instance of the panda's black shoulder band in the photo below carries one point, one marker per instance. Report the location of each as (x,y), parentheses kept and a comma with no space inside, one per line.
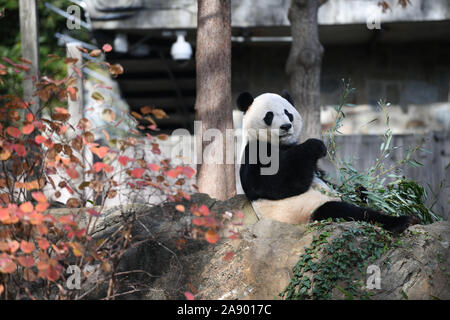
(285,94)
(244,101)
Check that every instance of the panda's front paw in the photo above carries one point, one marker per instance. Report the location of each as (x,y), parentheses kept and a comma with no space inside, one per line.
(317,147)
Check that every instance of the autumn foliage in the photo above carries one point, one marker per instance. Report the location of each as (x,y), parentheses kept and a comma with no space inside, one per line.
(36,246)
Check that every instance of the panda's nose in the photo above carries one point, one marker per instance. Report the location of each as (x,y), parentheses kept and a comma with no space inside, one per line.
(286,127)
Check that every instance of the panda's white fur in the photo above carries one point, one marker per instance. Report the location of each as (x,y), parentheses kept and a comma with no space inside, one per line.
(296,209)
(254,127)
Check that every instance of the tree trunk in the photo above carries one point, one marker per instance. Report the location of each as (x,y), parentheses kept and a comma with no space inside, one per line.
(213,102)
(29,32)
(304,64)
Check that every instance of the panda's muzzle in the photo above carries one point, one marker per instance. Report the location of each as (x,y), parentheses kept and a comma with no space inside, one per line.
(286,127)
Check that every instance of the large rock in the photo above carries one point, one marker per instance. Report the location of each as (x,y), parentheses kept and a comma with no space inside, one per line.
(262,265)
(265,255)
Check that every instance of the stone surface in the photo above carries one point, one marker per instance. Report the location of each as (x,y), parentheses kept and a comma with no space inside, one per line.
(264,256)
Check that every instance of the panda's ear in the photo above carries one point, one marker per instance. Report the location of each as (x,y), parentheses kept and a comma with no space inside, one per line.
(244,101)
(285,94)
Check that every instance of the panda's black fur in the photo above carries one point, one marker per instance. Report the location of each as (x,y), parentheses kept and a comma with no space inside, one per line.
(297,169)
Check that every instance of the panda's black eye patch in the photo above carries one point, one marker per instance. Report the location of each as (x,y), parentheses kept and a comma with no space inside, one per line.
(268,118)
(290,116)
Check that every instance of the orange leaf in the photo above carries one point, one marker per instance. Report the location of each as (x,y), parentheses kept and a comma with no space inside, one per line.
(4,246)
(26,207)
(39,196)
(211,236)
(42,228)
(162,136)
(42,206)
(13,246)
(26,246)
(29,117)
(4,155)
(29,128)
(173,173)
(116,69)
(100,151)
(180,207)
(72,91)
(4,215)
(73,203)
(36,218)
(95,53)
(40,139)
(146,110)
(7,265)
(61,110)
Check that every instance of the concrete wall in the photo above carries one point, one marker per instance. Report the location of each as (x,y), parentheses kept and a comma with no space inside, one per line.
(169,14)
(415,78)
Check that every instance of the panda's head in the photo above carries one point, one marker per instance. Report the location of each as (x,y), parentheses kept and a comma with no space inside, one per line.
(270,117)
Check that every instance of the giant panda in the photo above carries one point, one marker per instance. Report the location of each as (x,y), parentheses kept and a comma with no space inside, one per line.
(294,193)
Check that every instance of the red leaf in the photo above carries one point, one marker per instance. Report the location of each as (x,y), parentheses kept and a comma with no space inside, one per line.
(153,167)
(123,160)
(107,47)
(40,139)
(26,261)
(98,166)
(198,221)
(188,172)
(53,274)
(204,210)
(189,296)
(12,131)
(43,244)
(20,150)
(72,173)
(173,173)
(94,213)
(137,172)
(228,256)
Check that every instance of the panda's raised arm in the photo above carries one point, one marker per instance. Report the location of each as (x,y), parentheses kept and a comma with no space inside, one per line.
(312,149)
